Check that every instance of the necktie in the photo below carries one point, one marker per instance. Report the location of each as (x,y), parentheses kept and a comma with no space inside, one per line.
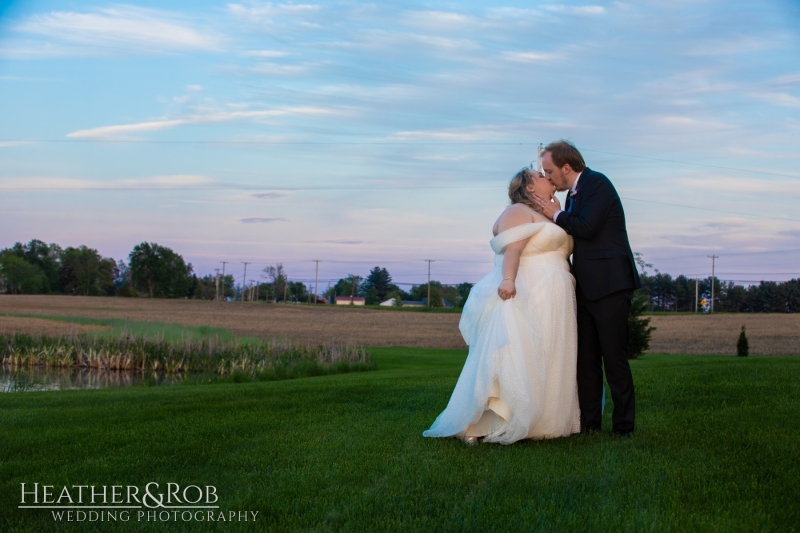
(570,201)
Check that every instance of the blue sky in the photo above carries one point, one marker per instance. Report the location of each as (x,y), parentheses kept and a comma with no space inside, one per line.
(385,134)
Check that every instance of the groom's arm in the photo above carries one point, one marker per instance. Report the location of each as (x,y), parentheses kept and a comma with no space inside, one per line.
(587,221)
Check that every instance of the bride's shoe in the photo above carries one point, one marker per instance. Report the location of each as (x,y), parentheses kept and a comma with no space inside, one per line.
(471,441)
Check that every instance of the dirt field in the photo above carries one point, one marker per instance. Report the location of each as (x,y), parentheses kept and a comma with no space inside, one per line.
(776,334)
(305,323)
(37,326)
(768,334)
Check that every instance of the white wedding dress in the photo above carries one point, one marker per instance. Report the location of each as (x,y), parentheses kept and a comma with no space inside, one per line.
(519,378)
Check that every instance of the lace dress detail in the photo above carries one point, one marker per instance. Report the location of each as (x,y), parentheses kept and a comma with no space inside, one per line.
(519,379)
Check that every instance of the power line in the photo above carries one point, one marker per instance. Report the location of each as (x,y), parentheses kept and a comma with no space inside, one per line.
(360,188)
(383,142)
(713,259)
(711,209)
(737,253)
(694,164)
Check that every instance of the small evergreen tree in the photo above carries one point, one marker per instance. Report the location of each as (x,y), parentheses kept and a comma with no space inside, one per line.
(742,347)
(639,329)
(398,298)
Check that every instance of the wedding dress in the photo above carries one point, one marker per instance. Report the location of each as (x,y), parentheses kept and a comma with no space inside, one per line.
(519,378)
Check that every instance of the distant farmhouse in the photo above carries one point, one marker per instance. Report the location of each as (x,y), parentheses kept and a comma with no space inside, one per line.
(350,300)
(410,303)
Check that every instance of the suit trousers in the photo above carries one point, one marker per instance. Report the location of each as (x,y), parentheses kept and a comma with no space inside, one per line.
(603,342)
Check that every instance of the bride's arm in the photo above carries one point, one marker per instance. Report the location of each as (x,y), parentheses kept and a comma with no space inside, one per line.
(516,215)
(511,255)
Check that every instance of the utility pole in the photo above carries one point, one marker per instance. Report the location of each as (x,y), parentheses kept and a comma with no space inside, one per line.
(223,278)
(696,292)
(244,278)
(429,279)
(316,280)
(253,290)
(713,259)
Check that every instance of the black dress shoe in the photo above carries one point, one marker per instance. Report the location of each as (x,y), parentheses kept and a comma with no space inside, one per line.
(623,434)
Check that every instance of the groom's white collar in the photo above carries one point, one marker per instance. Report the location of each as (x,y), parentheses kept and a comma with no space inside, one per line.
(575,185)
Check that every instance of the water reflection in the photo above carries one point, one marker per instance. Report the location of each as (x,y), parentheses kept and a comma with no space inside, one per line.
(40,378)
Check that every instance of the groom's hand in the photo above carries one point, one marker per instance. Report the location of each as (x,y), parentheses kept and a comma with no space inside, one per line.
(549,206)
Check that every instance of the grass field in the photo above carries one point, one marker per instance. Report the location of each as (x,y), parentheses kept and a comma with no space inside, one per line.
(715,450)
(769,334)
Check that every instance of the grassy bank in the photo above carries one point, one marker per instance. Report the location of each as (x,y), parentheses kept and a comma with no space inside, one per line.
(115,327)
(715,450)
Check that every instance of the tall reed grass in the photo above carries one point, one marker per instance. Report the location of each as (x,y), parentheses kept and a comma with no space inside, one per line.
(273,359)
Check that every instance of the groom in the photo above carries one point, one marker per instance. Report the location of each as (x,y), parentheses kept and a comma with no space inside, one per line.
(604,268)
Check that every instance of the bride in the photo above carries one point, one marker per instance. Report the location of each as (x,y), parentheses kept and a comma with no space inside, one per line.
(519,321)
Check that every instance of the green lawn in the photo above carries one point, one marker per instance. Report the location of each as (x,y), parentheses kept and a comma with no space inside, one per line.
(716,450)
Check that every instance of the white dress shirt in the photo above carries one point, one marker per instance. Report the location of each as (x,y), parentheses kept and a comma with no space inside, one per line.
(572,189)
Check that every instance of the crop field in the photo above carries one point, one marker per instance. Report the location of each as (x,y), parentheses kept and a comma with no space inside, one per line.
(769,334)
(305,323)
(10,325)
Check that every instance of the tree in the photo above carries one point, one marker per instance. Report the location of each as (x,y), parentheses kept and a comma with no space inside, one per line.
(83,271)
(639,329)
(20,276)
(372,297)
(420,292)
(380,280)
(46,257)
(279,279)
(397,297)
(463,290)
(297,291)
(159,271)
(742,346)
(349,286)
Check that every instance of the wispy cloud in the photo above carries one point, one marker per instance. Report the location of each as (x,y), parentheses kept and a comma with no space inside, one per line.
(11,144)
(351,242)
(121,130)
(265,54)
(471,133)
(166,182)
(737,186)
(123,27)
(780,99)
(262,220)
(576,10)
(530,57)
(269,9)
(268,195)
(439,20)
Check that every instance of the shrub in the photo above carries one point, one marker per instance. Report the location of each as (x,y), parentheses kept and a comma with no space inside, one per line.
(742,347)
(639,329)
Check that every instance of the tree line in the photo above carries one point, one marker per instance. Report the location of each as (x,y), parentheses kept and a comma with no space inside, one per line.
(666,293)
(158,272)
(40,268)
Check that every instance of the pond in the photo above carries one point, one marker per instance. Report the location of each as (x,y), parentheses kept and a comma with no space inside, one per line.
(41,378)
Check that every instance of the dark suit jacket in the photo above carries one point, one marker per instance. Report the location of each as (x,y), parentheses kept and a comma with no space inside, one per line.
(602,261)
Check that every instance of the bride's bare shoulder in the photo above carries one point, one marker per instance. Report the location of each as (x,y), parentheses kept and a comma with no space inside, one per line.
(515,215)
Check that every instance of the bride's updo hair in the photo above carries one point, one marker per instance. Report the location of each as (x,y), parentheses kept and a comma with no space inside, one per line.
(518,188)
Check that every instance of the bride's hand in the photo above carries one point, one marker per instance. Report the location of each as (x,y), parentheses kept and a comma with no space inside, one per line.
(507,289)
(549,206)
